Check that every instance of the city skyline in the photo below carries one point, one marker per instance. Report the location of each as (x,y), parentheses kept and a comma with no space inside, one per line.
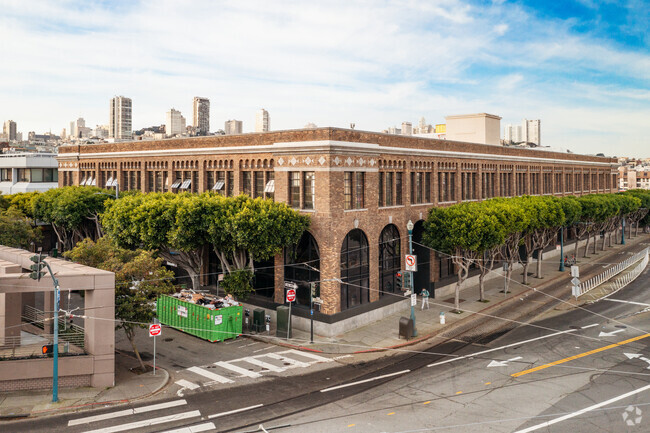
(581,68)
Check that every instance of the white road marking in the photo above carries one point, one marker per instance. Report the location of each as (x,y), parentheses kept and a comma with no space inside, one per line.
(610,334)
(193,429)
(585,410)
(147,422)
(308,355)
(210,375)
(626,302)
(126,412)
(589,326)
(236,369)
(291,361)
(364,381)
(342,357)
(502,363)
(499,348)
(217,415)
(639,356)
(261,350)
(263,364)
(186,384)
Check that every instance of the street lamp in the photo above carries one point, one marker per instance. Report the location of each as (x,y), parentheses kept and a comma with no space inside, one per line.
(623,231)
(561,249)
(409,227)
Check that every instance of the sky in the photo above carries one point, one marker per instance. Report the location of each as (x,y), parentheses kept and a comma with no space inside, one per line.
(582,67)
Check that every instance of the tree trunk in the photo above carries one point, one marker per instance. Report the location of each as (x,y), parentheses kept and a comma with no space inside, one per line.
(539,263)
(586,246)
(525,265)
(457,294)
(481,286)
(595,241)
(131,336)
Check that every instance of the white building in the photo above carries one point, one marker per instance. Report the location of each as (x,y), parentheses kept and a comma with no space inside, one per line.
(262,121)
(531,131)
(120,119)
(512,134)
(407,128)
(480,128)
(78,129)
(27,172)
(175,124)
(233,127)
(201,120)
(9,130)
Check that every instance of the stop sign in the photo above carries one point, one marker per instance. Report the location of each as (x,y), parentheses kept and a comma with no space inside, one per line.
(291,295)
(154,330)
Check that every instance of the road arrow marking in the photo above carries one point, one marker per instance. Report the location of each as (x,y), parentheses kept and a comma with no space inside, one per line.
(610,334)
(639,356)
(502,363)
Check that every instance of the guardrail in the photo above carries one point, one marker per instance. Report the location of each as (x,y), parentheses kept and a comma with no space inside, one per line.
(596,281)
(30,345)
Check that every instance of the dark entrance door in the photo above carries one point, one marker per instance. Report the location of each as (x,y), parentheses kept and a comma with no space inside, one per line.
(423,275)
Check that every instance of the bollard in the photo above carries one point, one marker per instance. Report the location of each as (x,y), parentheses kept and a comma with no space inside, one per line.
(442,317)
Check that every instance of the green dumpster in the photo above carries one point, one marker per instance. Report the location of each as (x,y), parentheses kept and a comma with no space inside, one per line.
(212,325)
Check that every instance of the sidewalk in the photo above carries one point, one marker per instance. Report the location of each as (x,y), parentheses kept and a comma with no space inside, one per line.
(383,334)
(128,387)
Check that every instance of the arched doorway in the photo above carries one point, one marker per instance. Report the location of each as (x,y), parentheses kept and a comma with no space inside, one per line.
(389,259)
(354,270)
(422,277)
(302,266)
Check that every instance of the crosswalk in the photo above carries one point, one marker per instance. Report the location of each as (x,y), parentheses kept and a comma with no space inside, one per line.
(122,420)
(251,367)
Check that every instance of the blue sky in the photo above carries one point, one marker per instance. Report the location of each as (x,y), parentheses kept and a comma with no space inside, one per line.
(582,67)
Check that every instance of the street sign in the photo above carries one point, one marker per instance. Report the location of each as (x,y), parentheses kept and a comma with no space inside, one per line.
(575,271)
(290,285)
(155,330)
(291,295)
(414,300)
(575,282)
(220,277)
(411,263)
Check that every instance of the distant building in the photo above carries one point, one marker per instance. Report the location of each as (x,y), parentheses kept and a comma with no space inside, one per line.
(9,130)
(78,129)
(233,127)
(27,172)
(531,131)
(175,124)
(64,135)
(479,128)
(407,128)
(262,121)
(120,119)
(201,120)
(512,134)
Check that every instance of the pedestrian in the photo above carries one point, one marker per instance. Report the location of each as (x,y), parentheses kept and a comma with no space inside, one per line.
(425,298)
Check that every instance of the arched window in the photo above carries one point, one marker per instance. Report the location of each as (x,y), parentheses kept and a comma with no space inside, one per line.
(354,270)
(389,259)
(302,266)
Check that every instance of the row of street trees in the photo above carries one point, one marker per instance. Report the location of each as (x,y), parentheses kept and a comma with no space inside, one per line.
(513,229)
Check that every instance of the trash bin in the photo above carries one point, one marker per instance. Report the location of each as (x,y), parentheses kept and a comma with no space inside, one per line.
(258,320)
(282,322)
(405,328)
(202,322)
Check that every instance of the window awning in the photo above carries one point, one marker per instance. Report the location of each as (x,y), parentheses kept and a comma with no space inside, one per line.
(114,182)
(270,186)
(219,185)
(109,182)
(177,183)
(186,184)
(83,182)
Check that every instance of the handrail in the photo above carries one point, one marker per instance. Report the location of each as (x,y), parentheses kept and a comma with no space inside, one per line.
(596,281)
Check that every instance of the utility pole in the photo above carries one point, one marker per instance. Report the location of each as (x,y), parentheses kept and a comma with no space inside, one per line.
(409,227)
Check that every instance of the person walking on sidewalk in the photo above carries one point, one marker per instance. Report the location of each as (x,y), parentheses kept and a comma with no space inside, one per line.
(425,298)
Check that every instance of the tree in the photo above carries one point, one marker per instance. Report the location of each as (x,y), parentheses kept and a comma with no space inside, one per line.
(515,222)
(73,212)
(242,230)
(16,229)
(465,232)
(641,215)
(24,202)
(140,278)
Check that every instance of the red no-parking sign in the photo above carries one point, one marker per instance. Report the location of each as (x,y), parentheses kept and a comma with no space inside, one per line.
(155,330)
(291,295)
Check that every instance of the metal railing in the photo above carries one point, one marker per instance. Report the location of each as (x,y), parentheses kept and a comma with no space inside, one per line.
(31,345)
(596,281)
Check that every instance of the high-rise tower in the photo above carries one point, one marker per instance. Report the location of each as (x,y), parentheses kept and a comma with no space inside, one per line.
(120,120)
(201,122)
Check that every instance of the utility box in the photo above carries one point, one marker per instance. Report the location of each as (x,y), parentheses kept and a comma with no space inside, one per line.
(258,320)
(405,328)
(282,322)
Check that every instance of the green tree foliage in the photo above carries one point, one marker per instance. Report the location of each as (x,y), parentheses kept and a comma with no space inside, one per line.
(641,216)
(24,202)
(16,229)
(73,212)
(140,278)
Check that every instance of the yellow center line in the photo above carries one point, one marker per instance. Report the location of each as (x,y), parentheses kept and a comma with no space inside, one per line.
(571,358)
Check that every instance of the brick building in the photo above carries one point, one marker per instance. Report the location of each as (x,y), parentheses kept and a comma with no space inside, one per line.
(360,188)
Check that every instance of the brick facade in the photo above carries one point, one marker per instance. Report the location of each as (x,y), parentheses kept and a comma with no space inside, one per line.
(433,173)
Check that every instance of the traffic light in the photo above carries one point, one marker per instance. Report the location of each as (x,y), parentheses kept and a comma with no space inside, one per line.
(37,267)
(47,349)
(398,281)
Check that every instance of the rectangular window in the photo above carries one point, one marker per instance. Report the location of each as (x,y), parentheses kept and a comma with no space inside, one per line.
(294,189)
(360,189)
(231,184)
(347,190)
(309,190)
(269,189)
(246,182)
(398,188)
(24,175)
(427,187)
(259,184)
(37,174)
(380,190)
(209,180)
(389,188)
(452,186)
(5,174)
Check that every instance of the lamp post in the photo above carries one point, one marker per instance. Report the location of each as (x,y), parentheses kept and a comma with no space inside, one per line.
(561,249)
(409,227)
